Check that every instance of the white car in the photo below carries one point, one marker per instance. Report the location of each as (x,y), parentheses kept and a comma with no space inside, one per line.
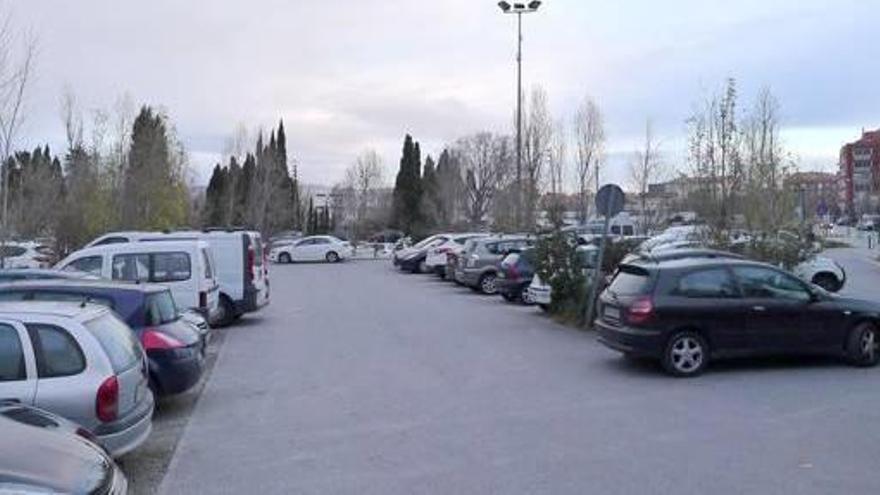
(437,255)
(315,248)
(26,255)
(542,294)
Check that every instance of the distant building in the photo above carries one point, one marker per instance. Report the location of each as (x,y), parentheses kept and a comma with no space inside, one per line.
(859,175)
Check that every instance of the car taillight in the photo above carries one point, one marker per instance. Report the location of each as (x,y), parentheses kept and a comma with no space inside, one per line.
(107,400)
(641,311)
(152,340)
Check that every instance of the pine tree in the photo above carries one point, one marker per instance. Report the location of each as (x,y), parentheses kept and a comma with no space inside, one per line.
(406,209)
(430,193)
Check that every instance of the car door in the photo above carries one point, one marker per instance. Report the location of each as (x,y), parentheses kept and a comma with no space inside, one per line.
(18,375)
(319,248)
(61,373)
(709,299)
(778,309)
(300,250)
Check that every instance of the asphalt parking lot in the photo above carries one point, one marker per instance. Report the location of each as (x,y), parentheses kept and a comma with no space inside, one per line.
(358,379)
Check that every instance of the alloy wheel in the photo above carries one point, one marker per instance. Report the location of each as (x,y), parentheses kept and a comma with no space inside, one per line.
(487,284)
(687,355)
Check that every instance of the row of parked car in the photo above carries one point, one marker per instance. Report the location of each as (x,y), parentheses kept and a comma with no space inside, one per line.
(87,348)
(674,300)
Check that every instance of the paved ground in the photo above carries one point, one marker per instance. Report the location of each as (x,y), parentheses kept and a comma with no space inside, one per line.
(361,380)
(862,270)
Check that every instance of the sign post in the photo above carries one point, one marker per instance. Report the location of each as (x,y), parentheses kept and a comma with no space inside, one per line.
(610,201)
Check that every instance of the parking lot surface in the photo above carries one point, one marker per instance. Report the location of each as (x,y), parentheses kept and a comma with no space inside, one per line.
(357,379)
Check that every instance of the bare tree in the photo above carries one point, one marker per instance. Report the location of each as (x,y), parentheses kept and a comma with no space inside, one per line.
(362,181)
(590,138)
(646,168)
(556,168)
(536,153)
(15,76)
(485,160)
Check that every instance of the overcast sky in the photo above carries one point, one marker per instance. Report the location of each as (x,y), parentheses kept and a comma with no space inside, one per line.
(349,74)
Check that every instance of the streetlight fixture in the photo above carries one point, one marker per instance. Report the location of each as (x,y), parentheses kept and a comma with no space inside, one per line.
(519,9)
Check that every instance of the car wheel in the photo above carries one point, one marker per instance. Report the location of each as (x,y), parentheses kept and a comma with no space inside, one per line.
(827,281)
(862,346)
(488,284)
(525,297)
(332,257)
(285,258)
(686,354)
(544,307)
(228,310)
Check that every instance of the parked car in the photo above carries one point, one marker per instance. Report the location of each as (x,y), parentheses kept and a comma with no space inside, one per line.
(541,292)
(515,274)
(869,223)
(686,312)
(42,453)
(237,258)
(455,261)
(81,362)
(816,269)
(26,255)
(482,262)
(175,348)
(436,256)
(414,259)
(314,248)
(16,274)
(185,267)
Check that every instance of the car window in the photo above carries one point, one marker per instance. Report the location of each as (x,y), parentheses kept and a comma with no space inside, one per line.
(171,267)
(766,283)
(628,230)
(13,296)
(304,242)
(131,267)
(117,340)
(56,351)
(321,241)
(160,308)
(631,281)
(11,355)
(89,264)
(258,250)
(714,283)
(615,229)
(206,261)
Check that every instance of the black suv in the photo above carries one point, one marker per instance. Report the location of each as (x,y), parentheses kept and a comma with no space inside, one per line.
(687,311)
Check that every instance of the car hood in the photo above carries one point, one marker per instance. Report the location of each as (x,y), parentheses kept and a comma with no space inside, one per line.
(49,459)
(856,305)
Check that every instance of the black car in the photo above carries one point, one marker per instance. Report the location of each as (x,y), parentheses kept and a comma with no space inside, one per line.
(175,348)
(514,276)
(685,312)
(43,453)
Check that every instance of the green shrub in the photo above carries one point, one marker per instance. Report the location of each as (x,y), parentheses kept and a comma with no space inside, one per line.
(557,265)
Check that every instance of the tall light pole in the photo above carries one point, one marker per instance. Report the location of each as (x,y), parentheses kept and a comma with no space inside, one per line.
(519,9)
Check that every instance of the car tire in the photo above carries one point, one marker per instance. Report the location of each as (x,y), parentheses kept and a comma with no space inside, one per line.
(827,281)
(488,285)
(525,298)
(686,354)
(862,345)
(285,258)
(229,315)
(544,307)
(508,297)
(332,257)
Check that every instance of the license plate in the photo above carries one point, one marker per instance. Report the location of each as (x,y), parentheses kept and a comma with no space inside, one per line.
(612,313)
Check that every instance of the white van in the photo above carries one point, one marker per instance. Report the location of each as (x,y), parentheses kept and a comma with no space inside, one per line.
(240,268)
(185,267)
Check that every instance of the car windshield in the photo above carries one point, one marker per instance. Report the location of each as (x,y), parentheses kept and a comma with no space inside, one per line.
(160,308)
(630,281)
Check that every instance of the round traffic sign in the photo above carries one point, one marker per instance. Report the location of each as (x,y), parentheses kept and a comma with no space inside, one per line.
(610,200)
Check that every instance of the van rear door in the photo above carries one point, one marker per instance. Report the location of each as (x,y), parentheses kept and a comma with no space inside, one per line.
(256,282)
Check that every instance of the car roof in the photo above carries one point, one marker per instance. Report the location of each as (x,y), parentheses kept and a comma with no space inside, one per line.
(683,263)
(141,247)
(685,253)
(100,284)
(78,311)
